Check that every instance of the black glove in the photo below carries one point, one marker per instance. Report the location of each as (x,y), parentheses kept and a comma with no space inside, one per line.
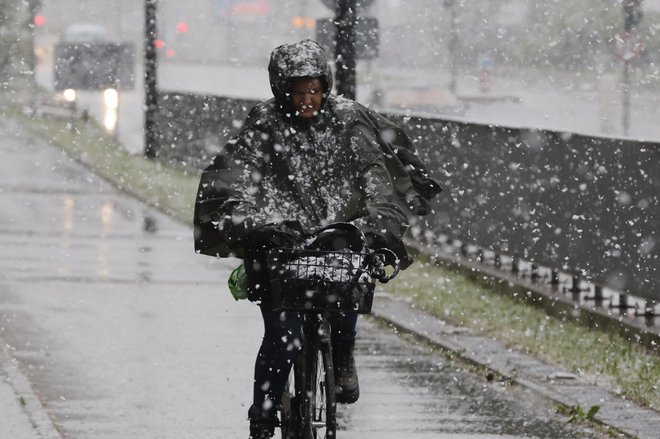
(340,236)
(284,234)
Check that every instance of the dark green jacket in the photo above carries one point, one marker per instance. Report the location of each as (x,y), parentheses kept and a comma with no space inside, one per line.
(347,164)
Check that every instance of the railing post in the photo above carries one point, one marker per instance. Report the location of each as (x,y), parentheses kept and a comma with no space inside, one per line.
(598,295)
(575,289)
(534,275)
(464,250)
(515,268)
(554,279)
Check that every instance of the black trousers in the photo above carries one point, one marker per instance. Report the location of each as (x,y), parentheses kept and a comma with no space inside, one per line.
(279,347)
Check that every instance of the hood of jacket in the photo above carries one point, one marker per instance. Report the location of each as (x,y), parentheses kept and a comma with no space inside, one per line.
(297,60)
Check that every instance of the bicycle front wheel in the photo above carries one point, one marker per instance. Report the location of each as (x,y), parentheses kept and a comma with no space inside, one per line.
(290,411)
(320,402)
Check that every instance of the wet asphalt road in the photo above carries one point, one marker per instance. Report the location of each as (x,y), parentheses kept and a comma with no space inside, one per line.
(124,332)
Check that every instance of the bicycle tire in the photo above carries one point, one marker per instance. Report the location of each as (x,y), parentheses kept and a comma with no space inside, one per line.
(290,407)
(319,403)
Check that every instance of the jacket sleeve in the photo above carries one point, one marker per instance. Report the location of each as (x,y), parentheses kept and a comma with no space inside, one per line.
(224,210)
(384,222)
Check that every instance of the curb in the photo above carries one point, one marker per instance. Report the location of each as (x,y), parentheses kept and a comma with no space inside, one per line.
(552,382)
(42,426)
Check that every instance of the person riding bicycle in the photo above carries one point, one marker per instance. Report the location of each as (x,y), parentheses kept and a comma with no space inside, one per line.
(302,160)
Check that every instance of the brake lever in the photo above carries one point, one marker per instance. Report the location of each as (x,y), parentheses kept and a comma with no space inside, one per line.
(385,257)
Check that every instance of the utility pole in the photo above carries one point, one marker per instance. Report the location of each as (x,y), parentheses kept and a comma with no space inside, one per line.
(34,6)
(632,15)
(151,138)
(346,18)
(451,5)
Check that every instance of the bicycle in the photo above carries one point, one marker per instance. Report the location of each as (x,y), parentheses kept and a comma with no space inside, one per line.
(315,283)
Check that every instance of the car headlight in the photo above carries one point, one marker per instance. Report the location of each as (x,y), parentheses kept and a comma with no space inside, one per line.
(70,95)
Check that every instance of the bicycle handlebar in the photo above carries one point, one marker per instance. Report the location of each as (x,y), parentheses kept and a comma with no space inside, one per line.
(379,258)
(388,258)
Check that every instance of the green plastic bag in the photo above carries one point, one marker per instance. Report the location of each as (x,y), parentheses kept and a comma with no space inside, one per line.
(238,283)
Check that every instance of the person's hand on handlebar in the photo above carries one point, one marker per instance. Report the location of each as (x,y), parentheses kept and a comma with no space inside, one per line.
(283,234)
(338,236)
(347,236)
(382,258)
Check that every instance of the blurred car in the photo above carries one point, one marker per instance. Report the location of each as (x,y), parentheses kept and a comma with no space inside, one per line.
(86,60)
(80,33)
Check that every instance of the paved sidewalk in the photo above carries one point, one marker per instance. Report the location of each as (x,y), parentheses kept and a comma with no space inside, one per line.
(550,381)
(21,414)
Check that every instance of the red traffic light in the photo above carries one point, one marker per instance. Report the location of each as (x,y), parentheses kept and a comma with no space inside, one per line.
(39,20)
(182,27)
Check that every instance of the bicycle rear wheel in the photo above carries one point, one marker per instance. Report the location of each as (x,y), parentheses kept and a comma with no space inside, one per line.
(319,405)
(290,410)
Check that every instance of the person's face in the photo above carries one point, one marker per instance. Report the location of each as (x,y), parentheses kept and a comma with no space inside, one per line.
(306,97)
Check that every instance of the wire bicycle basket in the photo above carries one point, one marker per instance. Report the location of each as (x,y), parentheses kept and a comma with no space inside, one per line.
(315,280)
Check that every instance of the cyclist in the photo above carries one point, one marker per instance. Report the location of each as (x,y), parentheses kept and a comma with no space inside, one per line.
(303,160)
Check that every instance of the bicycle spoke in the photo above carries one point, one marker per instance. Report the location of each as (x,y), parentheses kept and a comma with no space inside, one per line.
(320,394)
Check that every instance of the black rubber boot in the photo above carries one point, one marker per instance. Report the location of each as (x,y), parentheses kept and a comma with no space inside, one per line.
(262,426)
(261,429)
(346,378)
